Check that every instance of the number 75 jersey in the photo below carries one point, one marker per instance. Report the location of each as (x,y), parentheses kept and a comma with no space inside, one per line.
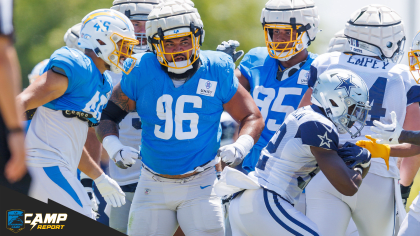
(180,126)
(391,88)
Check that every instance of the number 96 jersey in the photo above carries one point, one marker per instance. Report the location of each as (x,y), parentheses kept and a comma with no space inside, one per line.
(180,126)
(391,88)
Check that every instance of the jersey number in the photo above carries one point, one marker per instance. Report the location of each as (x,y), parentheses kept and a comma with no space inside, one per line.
(376,98)
(96,109)
(264,104)
(105,24)
(164,112)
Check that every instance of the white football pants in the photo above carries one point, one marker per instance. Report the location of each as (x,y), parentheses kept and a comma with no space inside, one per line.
(372,207)
(261,212)
(60,185)
(411,223)
(160,204)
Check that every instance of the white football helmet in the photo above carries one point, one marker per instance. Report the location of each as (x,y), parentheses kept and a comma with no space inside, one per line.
(136,10)
(37,70)
(175,19)
(339,43)
(71,38)
(414,58)
(300,17)
(376,30)
(344,97)
(101,32)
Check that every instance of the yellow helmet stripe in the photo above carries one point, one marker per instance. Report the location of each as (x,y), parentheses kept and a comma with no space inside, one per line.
(104,13)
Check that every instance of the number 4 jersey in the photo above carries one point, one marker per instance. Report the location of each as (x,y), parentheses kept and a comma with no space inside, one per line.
(286,164)
(55,140)
(181,126)
(277,94)
(391,88)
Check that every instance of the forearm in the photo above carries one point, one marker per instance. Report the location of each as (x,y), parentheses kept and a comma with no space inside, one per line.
(408,169)
(88,166)
(412,137)
(404,150)
(93,148)
(10,86)
(252,125)
(106,128)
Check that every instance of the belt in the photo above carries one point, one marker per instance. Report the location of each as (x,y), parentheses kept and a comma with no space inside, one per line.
(83,116)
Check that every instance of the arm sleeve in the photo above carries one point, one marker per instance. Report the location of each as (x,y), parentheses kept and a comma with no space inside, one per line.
(320,135)
(313,75)
(129,82)
(6,18)
(413,90)
(228,81)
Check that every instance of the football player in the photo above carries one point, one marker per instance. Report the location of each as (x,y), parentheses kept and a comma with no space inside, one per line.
(277,75)
(130,126)
(70,95)
(180,93)
(375,38)
(306,142)
(395,134)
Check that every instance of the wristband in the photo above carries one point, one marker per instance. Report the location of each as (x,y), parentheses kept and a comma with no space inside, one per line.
(244,143)
(112,145)
(359,169)
(86,180)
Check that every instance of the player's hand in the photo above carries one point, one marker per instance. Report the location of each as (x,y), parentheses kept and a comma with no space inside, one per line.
(126,157)
(387,134)
(110,190)
(231,155)
(15,168)
(229,48)
(354,155)
(376,150)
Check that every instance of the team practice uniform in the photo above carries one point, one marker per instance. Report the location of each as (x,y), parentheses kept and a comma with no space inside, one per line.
(373,207)
(181,134)
(276,91)
(411,224)
(285,167)
(130,135)
(56,137)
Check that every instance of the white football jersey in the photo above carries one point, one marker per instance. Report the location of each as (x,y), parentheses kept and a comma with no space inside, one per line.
(54,140)
(229,126)
(391,88)
(130,135)
(286,164)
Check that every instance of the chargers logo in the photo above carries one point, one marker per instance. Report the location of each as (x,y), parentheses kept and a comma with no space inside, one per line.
(15,220)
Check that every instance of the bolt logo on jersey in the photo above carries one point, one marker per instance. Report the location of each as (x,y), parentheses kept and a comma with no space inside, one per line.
(346,84)
(276,98)
(186,116)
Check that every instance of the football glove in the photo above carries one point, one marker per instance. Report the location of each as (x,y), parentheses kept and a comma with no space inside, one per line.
(234,153)
(387,134)
(229,48)
(87,183)
(110,190)
(375,149)
(123,156)
(354,155)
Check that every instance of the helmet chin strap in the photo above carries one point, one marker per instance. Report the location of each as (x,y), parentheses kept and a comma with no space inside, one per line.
(180,64)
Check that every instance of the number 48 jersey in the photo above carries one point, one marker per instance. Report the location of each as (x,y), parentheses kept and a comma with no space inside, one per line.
(391,88)
(286,164)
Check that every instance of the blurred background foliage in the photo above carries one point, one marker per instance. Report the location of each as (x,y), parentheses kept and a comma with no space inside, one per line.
(40,25)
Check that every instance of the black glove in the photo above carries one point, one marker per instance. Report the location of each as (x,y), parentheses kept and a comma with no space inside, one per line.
(354,155)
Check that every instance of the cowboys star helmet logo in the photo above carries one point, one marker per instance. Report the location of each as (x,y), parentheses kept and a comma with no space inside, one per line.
(346,83)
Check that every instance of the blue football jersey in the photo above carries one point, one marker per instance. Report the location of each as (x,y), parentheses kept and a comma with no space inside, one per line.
(275,99)
(88,90)
(286,164)
(181,126)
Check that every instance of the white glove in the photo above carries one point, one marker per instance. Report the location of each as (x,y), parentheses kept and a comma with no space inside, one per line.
(229,48)
(387,134)
(233,154)
(110,190)
(87,184)
(123,156)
